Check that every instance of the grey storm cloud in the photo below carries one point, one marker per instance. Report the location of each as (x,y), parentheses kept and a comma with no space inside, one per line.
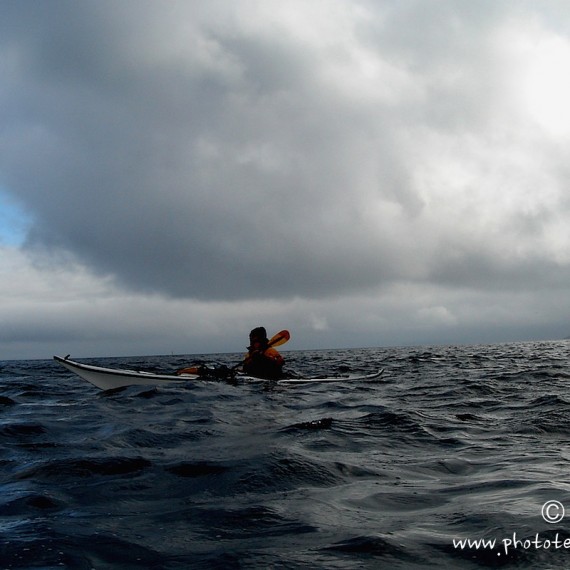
(241,150)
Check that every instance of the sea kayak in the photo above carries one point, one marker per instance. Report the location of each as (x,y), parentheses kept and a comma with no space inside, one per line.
(110,378)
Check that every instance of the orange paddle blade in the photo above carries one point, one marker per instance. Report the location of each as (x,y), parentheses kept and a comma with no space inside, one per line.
(280,338)
(191,370)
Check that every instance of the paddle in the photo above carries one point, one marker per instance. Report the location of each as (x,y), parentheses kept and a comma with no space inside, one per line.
(280,338)
(276,340)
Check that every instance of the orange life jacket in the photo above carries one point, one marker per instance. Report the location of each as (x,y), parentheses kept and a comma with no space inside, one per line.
(267,364)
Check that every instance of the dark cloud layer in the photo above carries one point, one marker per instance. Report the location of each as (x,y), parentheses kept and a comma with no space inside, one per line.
(219,174)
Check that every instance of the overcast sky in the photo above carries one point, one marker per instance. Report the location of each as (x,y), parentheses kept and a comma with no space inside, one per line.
(363,173)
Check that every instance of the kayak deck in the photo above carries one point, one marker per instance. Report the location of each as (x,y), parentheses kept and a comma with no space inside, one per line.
(111,378)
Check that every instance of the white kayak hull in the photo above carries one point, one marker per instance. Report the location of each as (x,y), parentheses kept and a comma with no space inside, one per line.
(111,378)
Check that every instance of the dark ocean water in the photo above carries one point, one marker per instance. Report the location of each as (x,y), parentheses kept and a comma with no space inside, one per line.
(457,443)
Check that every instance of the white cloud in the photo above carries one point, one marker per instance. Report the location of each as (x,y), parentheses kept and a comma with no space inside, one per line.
(437,316)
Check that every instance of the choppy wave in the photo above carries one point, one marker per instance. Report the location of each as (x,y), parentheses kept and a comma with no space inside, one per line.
(456,444)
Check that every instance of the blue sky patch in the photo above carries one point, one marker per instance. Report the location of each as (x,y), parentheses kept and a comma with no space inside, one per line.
(14,221)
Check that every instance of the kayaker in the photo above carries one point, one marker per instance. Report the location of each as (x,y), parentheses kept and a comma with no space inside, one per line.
(262,360)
